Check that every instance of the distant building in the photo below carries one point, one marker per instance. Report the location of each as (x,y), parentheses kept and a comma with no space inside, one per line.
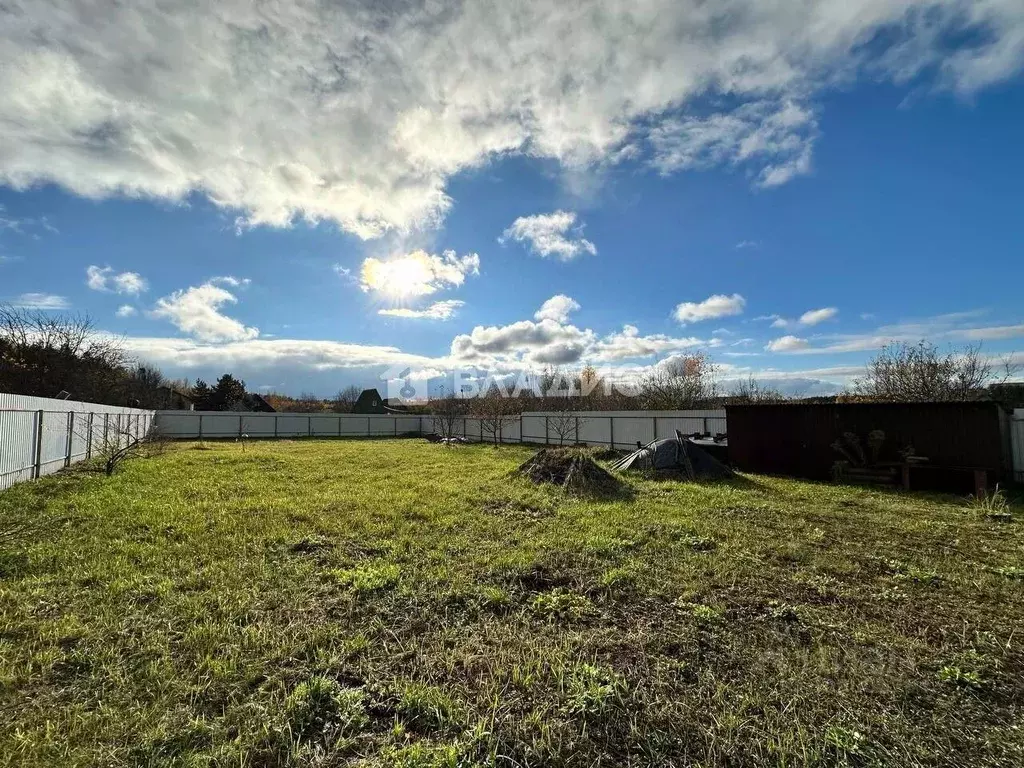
(370,401)
(257,404)
(171,399)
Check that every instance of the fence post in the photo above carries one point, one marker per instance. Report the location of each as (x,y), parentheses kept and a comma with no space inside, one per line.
(309,426)
(38,463)
(88,439)
(611,432)
(339,426)
(71,439)
(367,426)
(200,426)
(577,428)
(106,429)
(421,426)
(546,441)
(395,418)
(705,422)
(463,427)
(275,425)
(239,426)
(654,422)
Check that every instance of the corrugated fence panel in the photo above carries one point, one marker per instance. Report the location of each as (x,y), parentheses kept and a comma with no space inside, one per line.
(40,435)
(1017,437)
(623,429)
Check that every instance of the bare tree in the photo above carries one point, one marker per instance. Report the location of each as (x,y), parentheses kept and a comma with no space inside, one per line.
(496,411)
(679,383)
(755,392)
(346,399)
(447,410)
(921,373)
(42,353)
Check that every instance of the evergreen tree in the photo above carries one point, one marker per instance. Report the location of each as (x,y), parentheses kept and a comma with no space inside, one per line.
(228,394)
(202,396)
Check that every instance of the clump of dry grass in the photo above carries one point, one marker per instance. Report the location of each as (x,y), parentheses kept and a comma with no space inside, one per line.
(573,469)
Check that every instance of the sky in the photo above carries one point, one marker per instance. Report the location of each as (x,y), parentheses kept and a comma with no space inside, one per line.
(313,195)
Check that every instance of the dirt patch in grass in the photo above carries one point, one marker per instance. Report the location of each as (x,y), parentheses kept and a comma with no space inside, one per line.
(574,470)
(516,509)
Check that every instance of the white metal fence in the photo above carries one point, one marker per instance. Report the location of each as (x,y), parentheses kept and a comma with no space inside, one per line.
(621,429)
(1017,440)
(39,435)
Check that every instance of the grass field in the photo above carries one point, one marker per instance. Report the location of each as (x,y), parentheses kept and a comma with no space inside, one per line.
(400,603)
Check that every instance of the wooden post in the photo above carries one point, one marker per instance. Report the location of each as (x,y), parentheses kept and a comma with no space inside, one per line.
(88,439)
(980,483)
(611,431)
(38,463)
(71,439)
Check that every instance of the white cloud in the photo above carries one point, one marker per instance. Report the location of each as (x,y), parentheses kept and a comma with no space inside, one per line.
(195,311)
(439,310)
(126,310)
(744,244)
(787,344)
(230,281)
(712,307)
(418,273)
(807,319)
(557,308)
(550,234)
(360,112)
(774,139)
(40,301)
(105,279)
(954,328)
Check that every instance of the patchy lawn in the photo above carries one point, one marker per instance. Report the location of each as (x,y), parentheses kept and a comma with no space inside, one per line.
(401,603)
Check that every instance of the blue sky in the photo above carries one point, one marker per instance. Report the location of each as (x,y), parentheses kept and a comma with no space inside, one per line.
(783,189)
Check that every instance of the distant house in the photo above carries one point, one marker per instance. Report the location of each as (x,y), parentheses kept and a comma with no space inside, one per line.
(370,401)
(257,404)
(171,399)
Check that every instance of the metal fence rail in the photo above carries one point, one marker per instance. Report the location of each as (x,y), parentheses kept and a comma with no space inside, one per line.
(619,429)
(39,435)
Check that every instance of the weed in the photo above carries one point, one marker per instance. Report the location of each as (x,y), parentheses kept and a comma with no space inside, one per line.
(591,690)
(367,578)
(321,706)
(562,604)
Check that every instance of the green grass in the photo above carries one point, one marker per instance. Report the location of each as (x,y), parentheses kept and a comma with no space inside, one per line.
(397,603)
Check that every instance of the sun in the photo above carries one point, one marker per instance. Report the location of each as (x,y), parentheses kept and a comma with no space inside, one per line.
(400,278)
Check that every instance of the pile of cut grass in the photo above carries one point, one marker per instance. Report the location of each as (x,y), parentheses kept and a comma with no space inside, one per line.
(395,603)
(572,469)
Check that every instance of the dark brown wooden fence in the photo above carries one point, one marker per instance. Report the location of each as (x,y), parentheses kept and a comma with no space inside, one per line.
(796,438)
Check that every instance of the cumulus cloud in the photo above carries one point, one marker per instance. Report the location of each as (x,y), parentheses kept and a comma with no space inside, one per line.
(418,273)
(196,311)
(105,279)
(718,305)
(126,310)
(40,301)
(807,319)
(439,310)
(360,113)
(550,234)
(787,344)
(557,308)
(549,342)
